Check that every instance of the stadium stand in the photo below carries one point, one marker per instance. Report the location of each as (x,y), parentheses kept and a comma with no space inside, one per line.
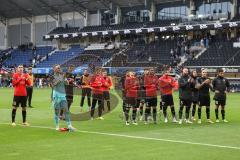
(142,54)
(19,57)
(60,30)
(218,54)
(4,54)
(118,60)
(132,25)
(112,27)
(43,51)
(234,61)
(97,57)
(96,46)
(162,23)
(235,85)
(27,56)
(60,57)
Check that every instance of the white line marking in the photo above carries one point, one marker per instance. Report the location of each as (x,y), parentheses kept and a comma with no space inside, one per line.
(140,137)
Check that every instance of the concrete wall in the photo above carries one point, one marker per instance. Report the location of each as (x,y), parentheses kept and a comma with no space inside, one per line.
(19,29)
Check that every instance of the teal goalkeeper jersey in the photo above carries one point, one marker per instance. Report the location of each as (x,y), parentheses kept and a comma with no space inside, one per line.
(59,89)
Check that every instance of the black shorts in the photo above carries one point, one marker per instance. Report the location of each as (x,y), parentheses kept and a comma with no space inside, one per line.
(86,92)
(106,95)
(131,101)
(195,102)
(98,96)
(20,100)
(69,99)
(186,103)
(138,101)
(167,100)
(204,101)
(221,102)
(151,102)
(195,97)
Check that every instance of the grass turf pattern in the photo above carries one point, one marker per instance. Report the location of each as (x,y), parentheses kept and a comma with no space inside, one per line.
(111,139)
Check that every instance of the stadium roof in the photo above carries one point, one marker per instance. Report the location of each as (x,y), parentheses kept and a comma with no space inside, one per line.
(28,8)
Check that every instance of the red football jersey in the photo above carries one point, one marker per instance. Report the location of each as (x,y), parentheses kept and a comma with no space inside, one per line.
(108,83)
(167,84)
(151,85)
(97,83)
(20,82)
(131,87)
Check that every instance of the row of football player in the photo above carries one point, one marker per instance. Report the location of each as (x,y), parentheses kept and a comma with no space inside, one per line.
(193,91)
(62,92)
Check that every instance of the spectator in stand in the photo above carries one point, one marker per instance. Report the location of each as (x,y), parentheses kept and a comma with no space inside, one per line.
(172,53)
(150,59)
(38,57)
(207,43)
(33,61)
(185,49)
(202,43)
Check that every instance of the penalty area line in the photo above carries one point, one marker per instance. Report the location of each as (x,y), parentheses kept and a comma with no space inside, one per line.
(140,137)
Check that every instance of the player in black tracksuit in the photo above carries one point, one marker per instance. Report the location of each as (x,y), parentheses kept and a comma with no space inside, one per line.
(221,86)
(69,88)
(185,94)
(195,94)
(122,83)
(204,85)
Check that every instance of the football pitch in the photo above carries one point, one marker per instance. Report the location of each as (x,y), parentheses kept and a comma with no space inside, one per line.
(111,139)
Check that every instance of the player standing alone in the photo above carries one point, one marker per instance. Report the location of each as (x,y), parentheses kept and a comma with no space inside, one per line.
(221,86)
(20,81)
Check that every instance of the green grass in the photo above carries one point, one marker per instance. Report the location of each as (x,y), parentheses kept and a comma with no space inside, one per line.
(45,144)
